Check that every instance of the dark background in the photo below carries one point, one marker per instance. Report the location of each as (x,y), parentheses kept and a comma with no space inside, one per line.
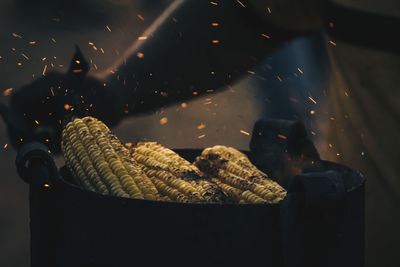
(55,26)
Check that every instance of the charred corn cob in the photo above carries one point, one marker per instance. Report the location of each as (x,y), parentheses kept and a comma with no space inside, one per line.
(176,174)
(238,177)
(100,163)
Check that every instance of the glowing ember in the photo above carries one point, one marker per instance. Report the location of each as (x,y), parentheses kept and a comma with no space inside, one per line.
(214,24)
(32,43)
(332,43)
(140,16)
(46,185)
(36,122)
(269,10)
(315,102)
(128,144)
(67,107)
(163,120)
(140,55)
(244,132)
(279,78)
(251,72)
(266,36)
(201,136)
(300,70)
(16,35)
(44,70)
(282,136)
(108,28)
(7,92)
(142,37)
(215,41)
(5,146)
(312,112)
(214,3)
(240,3)
(183,105)
(330,145)
(25,56)
(195,93)
(201,126)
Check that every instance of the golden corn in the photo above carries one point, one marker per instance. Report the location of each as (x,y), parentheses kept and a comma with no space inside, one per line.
(238,177)
(100,163)
(161,163)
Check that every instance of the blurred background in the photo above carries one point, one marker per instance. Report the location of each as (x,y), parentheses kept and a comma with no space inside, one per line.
(307,78)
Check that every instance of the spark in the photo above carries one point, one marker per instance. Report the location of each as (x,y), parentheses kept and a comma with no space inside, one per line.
(214,3)
(244,132)
(44,70)
(300,70)
(266,36)
(183,105)
(279,78)
(214,24)
(251,72)
(5,146)
(332,43)
(67,107)
(312,112)
(108,28)
(19,64)
(240,3)
(142,37)
(91,43)
(201,126)
(313,133)
(140,16)
(201,136)
(163,120)
(269,10)
(43,59)
(330,145)
(46,185)
(312,100)
(16,35)
(25,56)
(215,41)
(346,94)
(36,122)
(94,48)
(128,144)
(140,55)
(53,40)
(281,136)
(195,93)
(32,42)
(8,91)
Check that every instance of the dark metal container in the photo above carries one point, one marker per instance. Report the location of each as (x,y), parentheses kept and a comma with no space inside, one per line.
(74,227)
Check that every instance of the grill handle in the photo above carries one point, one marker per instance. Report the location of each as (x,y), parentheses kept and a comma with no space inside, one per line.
(35,164)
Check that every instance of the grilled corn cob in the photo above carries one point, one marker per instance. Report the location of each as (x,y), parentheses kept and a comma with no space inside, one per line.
(163,164)
(238,177)
(100,163)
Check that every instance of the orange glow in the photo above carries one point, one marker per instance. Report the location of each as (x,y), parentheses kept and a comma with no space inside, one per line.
(266,36)
(282,136)
(183,105)
(163,120)
(142,37)
(44,70)
(244,132)
(201,126)
(5,146)
(46,185)
(36,122)
(214,24)
(140,17)
(140,55)
(195,93)
(7,92)
(315,102)
(312,112)
(67,107)
(128,144)
(108,28)
(215,41)
(201,136)
(332,43)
